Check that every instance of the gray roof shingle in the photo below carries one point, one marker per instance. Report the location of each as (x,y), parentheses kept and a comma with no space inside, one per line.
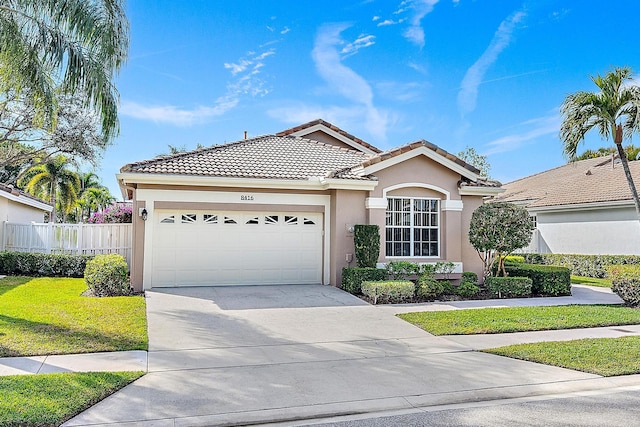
(586,181)
(267,157)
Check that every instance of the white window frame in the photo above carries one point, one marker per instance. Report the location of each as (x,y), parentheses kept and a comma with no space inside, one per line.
(412,226)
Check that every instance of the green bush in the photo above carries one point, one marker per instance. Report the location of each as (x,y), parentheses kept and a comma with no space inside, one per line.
(107,276)
(467,289)
(367,245)
(469,276)
(36,264)
(548,280)
(625,281)
(447,288)
(388,291)
(352,278)
(583,265)
(428,287)
(401,270)
(509,287)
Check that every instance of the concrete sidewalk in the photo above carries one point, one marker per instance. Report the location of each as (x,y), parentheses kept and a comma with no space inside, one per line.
(89,362)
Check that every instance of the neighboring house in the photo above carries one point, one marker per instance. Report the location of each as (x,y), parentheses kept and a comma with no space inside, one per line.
(280,209)
(18,206)
(580,208)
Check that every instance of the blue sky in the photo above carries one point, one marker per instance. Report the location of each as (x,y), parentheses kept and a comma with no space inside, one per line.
(486,74)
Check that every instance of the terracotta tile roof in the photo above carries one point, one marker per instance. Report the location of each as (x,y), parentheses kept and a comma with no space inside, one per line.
(20,193)
(412,146)
(585,181)
(268,157)
(333,128)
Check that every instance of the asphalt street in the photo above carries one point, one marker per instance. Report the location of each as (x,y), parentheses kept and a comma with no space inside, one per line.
(596,409)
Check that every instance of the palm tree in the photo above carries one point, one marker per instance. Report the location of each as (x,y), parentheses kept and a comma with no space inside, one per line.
(614,111)
(97,198)
(53,180)
(75,45)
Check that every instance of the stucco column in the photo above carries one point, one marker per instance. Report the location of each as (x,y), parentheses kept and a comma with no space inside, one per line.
(137,246)
(347,209)
(452,230)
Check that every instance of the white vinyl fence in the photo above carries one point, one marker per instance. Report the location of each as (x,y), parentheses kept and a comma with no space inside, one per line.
(82,239)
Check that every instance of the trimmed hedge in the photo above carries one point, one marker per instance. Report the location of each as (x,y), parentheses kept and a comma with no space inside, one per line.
(108,276)
(37,264)
(625,281)
(548,280)
(352,278)
(388,291)
(583,265)
(468,289)
(509,287)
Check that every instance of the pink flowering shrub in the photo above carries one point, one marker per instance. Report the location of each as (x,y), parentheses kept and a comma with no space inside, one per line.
(117,213)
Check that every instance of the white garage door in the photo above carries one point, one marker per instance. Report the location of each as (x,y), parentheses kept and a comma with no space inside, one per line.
(192,248)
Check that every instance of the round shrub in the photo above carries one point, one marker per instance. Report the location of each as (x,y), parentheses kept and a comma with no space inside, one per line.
(428,287)
(447,288)
(469,276)
(625,281)
(468,289)
(107,275)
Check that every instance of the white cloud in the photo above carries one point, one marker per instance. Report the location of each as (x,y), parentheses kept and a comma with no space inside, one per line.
(402,92)
(419,9)
(285,30)
(531,130)
(387,22)
(344,80)
(175,115)
(375,18)
(245,82)
(468,94)
(361,42)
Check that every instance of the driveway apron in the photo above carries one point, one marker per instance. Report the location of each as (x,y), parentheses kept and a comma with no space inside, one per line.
(250,354)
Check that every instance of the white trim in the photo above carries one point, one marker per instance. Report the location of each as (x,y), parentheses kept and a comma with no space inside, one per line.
(480,191)
(27,201)
(150,196)
(452,205)
(375,203)
(583,206)
(416,152)
(415,184)
(313,183)
(322,128)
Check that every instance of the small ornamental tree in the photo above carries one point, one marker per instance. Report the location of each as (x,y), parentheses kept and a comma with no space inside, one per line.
(498,229)
(117,213)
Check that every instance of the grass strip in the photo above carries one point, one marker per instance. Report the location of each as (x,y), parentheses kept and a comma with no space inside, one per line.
(601,356)
(41,316)
(520,319)
(51,399)
(591,281)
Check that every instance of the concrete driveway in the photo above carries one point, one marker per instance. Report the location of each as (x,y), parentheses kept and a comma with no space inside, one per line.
(237,355)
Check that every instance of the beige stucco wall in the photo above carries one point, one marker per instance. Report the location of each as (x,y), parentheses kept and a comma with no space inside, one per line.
(470,257)
(137,250)
(443,185)
(347,209)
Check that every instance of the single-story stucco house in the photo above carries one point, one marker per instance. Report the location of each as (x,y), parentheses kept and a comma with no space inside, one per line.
(580,208)
(19,206)
(280,209)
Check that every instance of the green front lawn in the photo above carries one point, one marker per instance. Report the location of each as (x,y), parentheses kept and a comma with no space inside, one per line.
(51,399)
(519,319)
(591,281)
(602,356)
(40,316)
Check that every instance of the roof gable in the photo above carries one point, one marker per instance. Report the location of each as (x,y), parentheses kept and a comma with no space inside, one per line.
(333,131)
(418,148)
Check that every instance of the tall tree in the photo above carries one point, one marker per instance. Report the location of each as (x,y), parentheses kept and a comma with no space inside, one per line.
(76,46)
(614,111)
(53,180)
(471,156)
